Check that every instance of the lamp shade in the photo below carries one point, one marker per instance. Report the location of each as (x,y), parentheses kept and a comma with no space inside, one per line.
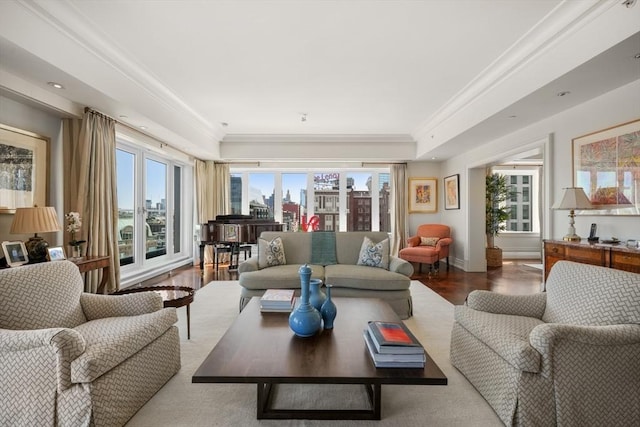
(35,220)
(573,198)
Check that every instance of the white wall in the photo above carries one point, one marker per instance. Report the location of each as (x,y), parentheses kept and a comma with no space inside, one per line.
(618,106)
(25,117)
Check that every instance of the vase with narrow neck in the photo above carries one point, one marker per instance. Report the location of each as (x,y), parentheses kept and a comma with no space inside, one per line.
(328,310)
(305,320)
(316,296)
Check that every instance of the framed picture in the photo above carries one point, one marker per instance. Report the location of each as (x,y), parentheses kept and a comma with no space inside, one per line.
(452,192)
(56,253)
(423,195)
(23,169)
(605,165)
(15,253)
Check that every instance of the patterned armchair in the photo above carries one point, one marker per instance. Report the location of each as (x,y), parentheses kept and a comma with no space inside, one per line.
(428,246)
(75,359)
(569,356)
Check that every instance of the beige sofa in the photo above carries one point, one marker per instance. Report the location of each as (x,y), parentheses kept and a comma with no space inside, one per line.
(348,278)
(569,356)
(75,359)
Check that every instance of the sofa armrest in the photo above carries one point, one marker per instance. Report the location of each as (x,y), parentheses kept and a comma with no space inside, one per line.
(101,306)
(556,342)
(37,347)
(249,265)
(517,305)
(398,265)
(413,241)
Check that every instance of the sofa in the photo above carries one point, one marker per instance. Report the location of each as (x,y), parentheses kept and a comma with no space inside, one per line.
(333,258)
(71,358)
(569,356)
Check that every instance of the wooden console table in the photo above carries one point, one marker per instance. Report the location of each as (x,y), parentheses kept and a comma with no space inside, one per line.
(617,256)
(95,262)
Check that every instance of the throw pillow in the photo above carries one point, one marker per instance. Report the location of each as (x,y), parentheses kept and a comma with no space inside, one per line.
(429,241)
(270,253)
(374,254)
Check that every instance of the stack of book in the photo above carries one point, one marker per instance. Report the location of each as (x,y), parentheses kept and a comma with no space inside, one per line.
(277,300)
(392,345)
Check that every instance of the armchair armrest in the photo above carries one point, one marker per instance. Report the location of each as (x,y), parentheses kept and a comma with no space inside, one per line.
(445,241)
(398,265)
(413,241)
(101,306)
(518,305)
(249,265)
(64,344)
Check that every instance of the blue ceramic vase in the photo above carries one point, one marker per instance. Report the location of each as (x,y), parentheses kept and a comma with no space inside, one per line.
(316,296)
(328,310)
(305,320)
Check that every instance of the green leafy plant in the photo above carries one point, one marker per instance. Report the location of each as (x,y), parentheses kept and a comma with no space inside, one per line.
(498,192)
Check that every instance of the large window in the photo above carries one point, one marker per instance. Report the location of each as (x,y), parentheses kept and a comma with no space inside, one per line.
(523,203)
(339,200)
(151,200)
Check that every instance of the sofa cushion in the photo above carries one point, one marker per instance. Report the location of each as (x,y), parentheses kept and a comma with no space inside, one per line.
(271,253)
(374,254)
(349,243)
(429,241)
(278,277)
(507,335)
(363,277)
(112,340)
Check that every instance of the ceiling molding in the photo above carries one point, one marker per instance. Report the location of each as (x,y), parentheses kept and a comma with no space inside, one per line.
(318,138)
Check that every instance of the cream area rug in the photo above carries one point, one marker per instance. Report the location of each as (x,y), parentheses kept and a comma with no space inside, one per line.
(181,403)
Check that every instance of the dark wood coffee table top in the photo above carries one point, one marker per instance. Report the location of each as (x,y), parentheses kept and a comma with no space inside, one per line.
(261,348)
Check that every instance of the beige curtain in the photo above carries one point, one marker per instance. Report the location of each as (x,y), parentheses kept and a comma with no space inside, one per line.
(70,141)
(399,224)
(97,199)
(213,184)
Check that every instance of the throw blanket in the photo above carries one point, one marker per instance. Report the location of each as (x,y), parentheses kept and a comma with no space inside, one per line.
(323,248)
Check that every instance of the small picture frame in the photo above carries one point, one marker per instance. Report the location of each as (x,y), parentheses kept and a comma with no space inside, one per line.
(15,253)
(56,253)
(423,195)
(452,192)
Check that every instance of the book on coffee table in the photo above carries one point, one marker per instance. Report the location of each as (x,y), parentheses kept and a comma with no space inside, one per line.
(393,338)
(387,360)
(277,300)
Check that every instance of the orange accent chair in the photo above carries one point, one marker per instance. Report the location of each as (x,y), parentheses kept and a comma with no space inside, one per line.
(428,246)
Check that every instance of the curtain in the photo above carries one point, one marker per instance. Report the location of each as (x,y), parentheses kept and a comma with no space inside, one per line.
(71,162)
(213,184)
(399,223)
(97,201)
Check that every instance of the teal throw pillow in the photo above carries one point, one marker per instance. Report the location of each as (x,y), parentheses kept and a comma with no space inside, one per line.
(374,254)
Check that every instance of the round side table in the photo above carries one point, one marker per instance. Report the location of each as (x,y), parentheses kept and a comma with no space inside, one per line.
(172,296)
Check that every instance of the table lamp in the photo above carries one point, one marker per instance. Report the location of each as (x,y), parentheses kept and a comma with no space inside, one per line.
(35,220)
(573,198)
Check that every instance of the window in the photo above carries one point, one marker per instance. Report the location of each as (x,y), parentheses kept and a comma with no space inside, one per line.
(523,203)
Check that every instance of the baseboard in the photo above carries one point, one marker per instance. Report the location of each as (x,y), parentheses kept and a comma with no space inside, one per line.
(140,276)
(521,255)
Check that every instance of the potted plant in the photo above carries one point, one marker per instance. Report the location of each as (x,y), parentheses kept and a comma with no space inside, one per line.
(498,192)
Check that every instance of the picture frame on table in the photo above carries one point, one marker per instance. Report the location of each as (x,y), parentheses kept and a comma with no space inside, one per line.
(423,195)
(605,165)
(56,253)
(24,166)
(452,192)
(15,253)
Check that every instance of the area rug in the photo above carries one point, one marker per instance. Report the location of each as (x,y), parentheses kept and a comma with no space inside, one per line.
(181,403)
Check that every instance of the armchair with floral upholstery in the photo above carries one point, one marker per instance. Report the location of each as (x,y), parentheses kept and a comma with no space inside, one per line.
(428,246)
(71,358)
(569,356)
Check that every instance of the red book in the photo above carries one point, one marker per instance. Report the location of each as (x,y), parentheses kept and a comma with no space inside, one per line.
(394,337)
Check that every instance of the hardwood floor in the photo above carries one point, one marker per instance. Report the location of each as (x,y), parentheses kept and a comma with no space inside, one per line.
(514,277)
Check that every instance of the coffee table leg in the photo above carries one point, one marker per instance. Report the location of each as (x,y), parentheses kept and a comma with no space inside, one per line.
(264,399)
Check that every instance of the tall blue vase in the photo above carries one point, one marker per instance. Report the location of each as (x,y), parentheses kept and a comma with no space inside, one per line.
(316,296)
(305,320)
(328,310)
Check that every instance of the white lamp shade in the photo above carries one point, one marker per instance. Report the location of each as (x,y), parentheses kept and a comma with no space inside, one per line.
(573,198)
(35,220)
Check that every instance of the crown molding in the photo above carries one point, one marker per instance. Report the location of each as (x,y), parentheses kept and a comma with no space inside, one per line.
(319,138)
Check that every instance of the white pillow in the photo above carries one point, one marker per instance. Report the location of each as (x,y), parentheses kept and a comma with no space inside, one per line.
(374,254)
(270,253)
(429,241)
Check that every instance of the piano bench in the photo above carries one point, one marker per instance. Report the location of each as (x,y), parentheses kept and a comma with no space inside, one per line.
(225,248)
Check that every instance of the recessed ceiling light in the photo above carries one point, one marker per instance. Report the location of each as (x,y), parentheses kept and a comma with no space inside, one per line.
(55,85)
(637,56)
(224,124)
(143,127)
(512,117)
(124,117)
(563,93)
(434,158)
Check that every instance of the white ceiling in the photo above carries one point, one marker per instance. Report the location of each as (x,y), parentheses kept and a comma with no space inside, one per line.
(428,77)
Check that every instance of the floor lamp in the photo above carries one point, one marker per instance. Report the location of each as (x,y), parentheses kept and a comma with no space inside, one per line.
(573,198)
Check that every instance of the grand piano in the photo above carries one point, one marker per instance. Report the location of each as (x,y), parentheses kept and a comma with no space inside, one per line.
(234,231)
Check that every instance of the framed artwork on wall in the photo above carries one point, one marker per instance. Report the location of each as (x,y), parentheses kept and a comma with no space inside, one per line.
(452,192)
(23,169)
(423,195)
(606,165)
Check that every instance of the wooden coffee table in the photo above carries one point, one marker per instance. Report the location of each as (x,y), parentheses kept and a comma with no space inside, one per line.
(260,348)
